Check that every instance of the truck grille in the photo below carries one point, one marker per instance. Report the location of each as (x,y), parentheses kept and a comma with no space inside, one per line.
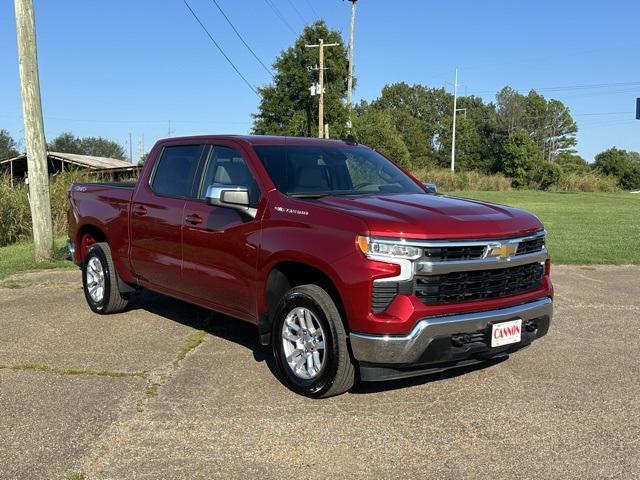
(447,254)
(530,246)
(476,285)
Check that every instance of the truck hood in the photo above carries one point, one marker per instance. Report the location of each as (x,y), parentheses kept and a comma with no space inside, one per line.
(434,217)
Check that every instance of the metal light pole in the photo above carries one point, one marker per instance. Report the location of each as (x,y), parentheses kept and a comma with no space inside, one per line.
(455,111)
(350,79)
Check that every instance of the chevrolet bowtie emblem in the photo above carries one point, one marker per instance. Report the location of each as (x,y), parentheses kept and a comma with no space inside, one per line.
(503,251)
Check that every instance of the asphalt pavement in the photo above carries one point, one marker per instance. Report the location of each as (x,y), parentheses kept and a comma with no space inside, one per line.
(112,398)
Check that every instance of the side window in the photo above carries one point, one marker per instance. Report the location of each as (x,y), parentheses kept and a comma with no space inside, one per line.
(227,167)
(176,170)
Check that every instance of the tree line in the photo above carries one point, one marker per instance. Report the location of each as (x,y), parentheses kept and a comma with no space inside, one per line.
(527,137)
(67,143)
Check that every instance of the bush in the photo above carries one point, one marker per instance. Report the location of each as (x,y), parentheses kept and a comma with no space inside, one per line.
(545,175)
(15,216)
(585,182)
(15,213)
(447,181)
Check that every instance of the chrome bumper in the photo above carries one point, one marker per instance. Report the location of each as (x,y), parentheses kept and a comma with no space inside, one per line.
(408,349)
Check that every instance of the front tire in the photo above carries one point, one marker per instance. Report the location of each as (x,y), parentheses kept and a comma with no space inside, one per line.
(310,344)
(100,281)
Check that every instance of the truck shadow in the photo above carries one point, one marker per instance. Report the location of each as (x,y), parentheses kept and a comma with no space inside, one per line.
(246,335)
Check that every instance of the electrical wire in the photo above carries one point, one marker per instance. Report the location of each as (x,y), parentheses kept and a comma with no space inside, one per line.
(293,5)
(242,39)
(313,10)
(279,15)
(220,48)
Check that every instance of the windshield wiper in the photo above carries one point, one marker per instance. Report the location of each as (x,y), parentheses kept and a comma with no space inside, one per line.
(308,195)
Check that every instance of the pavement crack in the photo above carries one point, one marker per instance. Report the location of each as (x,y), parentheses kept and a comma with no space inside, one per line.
(42,367)
(155,379)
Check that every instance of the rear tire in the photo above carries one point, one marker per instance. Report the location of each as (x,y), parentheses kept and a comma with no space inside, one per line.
(310,344)
(100,281)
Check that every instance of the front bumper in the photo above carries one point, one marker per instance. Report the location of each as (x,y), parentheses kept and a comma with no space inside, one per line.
(438,343)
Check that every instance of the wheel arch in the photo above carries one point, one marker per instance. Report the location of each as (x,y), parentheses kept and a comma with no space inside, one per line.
(287,274)
(87,235)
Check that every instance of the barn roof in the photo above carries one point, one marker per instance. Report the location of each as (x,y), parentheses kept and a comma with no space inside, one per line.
(86,161)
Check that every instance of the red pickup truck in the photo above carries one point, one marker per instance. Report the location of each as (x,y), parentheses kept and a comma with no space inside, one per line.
(348,266)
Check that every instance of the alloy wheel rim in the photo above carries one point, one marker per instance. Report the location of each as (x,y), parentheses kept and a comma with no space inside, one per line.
(303,343)
(95,280)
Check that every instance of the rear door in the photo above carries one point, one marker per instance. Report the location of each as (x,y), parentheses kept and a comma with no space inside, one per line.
(157,214)
(220,245)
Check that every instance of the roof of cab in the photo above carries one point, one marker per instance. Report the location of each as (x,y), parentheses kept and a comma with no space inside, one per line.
(263,140)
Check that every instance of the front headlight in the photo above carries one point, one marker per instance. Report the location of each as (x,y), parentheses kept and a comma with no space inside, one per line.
(392,249)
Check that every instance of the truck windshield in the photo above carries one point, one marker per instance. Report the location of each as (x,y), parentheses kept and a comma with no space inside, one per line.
(310,171)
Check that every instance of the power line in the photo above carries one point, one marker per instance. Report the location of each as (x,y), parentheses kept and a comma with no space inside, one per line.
(313,10)
(279,15)
(242,39)
(293,5)
(220,49)
(567,87)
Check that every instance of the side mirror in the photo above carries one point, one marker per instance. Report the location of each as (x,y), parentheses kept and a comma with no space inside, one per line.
(230,196)
(430,187)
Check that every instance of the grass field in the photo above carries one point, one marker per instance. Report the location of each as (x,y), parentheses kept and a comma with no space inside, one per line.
(19,258)
(583,228)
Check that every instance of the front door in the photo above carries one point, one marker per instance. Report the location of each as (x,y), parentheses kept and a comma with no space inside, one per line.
(219,244)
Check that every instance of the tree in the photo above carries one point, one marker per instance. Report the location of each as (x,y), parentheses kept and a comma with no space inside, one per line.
(520,156)
(101,147)
(8,146)
(510,109)
(548,122)
(376,129)
(66,142)
(95,146)
(420,115)
(286,106)
(622,165)
(572,163)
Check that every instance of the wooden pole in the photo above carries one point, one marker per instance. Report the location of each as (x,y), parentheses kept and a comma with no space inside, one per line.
(321,45)
(40,202)
(11,170)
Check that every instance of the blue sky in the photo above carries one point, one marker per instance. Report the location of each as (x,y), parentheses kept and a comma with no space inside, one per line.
(120,67)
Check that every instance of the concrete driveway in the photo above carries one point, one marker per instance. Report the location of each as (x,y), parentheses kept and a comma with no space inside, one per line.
(168,390)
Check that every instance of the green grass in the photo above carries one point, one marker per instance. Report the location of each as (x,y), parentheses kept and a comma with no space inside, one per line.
(43,367)
(191,342)
(19,257)
(583,228)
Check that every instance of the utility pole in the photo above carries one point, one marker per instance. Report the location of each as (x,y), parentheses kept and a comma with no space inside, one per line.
(350,79)
(455,111)
(321,46)
(39,200)
(130,149)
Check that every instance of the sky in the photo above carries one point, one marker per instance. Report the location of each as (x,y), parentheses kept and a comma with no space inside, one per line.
(146,69)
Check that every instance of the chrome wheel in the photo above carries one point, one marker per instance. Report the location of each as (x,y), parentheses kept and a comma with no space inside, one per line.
(303,343)
(95,279)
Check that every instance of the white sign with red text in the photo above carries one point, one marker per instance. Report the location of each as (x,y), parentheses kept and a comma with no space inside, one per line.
(506,333)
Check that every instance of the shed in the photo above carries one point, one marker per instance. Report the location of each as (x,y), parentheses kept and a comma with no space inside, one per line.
(103,167)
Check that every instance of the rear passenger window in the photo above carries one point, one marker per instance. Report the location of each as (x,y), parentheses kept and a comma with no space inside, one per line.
(176,170)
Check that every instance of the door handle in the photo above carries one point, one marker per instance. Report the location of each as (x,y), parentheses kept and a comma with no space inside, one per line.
(193,219)
(139,210)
